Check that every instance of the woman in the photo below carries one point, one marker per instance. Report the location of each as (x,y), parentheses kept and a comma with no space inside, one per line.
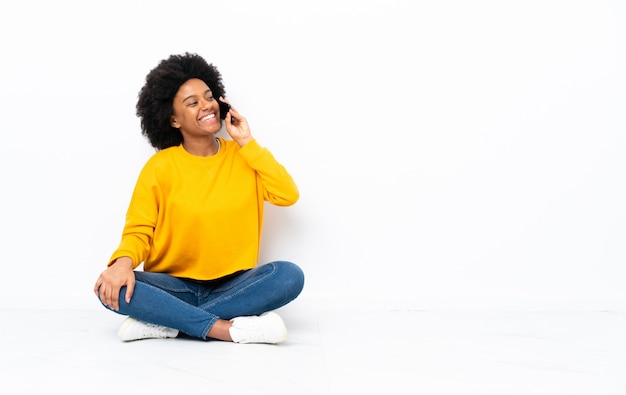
(195,220)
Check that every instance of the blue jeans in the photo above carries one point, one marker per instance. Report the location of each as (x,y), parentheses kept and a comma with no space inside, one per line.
(193,306)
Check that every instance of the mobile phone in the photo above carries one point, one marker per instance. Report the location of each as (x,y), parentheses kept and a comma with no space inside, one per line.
(224,108)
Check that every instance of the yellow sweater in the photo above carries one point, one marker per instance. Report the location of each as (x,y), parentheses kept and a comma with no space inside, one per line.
(199,217)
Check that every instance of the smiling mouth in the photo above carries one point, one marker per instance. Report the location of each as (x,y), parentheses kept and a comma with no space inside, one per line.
(207,117)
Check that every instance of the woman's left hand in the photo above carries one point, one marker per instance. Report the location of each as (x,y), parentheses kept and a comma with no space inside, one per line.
(237,126)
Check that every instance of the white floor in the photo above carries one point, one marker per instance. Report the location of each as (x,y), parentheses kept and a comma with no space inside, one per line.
(328,352)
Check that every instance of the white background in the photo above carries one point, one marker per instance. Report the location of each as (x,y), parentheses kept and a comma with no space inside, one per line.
(448,153)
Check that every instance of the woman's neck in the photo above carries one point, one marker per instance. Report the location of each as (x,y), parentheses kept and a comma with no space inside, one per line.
(204,147)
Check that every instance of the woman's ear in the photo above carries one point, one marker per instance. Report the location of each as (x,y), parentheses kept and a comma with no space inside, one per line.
(174,123)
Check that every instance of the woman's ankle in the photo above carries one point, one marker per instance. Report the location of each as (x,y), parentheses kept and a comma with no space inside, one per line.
(221,331)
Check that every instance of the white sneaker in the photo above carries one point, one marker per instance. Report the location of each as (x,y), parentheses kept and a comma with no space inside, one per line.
(133,329)
(266,328)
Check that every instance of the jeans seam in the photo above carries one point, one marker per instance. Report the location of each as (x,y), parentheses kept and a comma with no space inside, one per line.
(229,297)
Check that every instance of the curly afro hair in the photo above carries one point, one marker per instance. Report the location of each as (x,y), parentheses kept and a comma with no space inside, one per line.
(154,106)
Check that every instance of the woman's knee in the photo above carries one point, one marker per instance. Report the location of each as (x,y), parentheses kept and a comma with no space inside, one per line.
(121,299)
(291,275)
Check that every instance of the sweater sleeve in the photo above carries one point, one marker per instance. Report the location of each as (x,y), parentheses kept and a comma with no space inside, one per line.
(279,187)
(141,218)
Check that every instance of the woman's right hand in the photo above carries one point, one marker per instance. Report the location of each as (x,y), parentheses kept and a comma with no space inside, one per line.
(111,281)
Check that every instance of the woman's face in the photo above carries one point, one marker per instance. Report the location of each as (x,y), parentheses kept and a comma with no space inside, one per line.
(196,111)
